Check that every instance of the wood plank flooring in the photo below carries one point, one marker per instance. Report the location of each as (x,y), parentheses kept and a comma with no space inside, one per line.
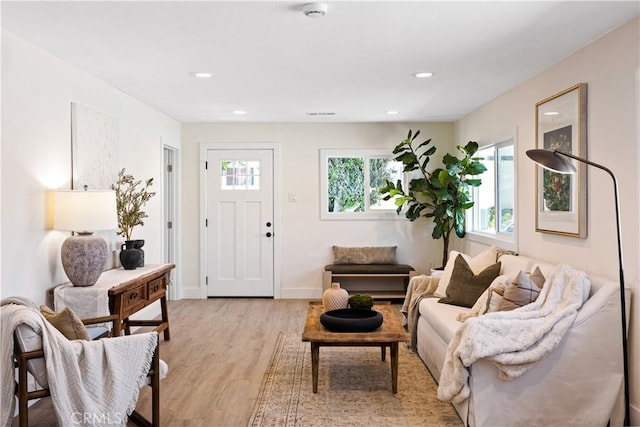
(217,356)
(218,353)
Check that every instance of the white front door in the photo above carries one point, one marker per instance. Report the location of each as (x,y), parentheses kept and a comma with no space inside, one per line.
(239,223)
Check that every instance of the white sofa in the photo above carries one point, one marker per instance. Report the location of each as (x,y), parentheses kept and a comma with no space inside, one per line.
(578,383)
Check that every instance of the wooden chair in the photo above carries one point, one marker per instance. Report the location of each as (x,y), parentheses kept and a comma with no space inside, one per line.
(29,358)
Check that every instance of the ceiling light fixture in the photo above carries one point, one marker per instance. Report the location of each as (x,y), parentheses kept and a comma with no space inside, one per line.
(314,10)
(239,112)
(391,113)
(202,75)
(551,113)
(423,75)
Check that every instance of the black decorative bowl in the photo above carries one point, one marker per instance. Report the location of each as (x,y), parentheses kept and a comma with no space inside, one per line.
(351,320)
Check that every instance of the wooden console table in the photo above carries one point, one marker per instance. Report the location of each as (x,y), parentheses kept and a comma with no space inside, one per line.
(123,293)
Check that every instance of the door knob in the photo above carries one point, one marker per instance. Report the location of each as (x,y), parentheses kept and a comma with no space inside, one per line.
(268,224)
(269,234)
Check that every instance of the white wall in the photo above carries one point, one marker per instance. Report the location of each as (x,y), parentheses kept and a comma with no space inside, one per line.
(610,67)
(306,240)
(37,92)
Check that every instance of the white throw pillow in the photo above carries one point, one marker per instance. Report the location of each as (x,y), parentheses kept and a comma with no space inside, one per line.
(512,264)
(483,260)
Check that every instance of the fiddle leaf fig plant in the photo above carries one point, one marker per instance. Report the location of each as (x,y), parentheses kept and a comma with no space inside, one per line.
(442,194)
(131,196)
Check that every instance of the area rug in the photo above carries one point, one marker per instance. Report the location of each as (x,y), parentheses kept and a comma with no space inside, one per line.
(354,389)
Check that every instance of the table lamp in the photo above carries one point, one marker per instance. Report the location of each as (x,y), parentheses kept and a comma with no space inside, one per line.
(559,161)
(83,212)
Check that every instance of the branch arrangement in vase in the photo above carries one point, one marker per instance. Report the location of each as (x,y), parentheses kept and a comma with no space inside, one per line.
(131,196)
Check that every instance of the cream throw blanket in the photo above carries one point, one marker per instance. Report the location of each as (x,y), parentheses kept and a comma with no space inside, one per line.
(98,381)
(419,287)
(513,340)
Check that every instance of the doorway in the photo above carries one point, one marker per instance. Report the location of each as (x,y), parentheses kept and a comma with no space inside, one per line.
(239,219)
(170,192)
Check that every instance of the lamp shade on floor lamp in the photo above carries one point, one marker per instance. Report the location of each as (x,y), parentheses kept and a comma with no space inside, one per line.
(558,161)
(84,255)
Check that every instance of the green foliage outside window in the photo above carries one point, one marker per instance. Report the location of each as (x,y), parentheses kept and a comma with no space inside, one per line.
(346,184)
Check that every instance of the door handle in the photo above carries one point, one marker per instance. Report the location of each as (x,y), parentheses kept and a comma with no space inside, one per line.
(268,234)
(268,224)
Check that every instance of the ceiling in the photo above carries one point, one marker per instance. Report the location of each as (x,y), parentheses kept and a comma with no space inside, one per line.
(278,65)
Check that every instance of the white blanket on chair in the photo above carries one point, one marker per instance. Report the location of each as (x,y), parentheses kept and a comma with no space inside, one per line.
(513,340)
(91,382)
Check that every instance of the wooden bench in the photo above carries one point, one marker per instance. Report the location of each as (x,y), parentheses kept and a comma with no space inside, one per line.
(381,281)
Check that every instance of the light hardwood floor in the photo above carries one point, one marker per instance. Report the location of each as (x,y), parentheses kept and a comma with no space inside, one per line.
(218,353)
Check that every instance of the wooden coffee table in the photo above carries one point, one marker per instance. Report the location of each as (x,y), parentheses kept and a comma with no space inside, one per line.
(388,335)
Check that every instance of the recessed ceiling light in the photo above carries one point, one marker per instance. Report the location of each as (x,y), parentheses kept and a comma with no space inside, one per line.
(202,74)
(391,113)
(551,113)
(239,112)
(423,75)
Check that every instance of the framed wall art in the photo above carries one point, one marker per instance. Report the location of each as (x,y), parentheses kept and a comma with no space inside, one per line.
(94,148)
(94,159)
(561,199)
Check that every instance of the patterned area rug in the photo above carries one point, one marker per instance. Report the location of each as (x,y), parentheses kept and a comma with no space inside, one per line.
(354,389)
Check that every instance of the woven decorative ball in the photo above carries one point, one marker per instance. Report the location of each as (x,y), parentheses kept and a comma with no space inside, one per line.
(335,298)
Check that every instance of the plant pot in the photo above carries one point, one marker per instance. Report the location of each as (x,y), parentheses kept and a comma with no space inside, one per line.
(130,256)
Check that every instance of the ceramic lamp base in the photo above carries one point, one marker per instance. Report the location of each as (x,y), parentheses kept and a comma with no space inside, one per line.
(83,259)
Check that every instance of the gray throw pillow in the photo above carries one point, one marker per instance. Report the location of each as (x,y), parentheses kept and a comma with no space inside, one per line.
(365,255)
(465,287)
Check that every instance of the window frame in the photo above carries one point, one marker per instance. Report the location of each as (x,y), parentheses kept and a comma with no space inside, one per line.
(369,214)
(497,238)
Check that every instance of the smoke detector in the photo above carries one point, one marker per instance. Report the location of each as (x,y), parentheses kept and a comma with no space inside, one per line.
(314,10)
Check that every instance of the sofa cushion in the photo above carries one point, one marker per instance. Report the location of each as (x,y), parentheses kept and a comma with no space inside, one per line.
(30,340)
(465,287)
(441,317)
(369,268)
(365,255)
(512,265)
(524,290)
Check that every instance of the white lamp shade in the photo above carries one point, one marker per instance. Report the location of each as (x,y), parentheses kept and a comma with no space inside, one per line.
(84,210)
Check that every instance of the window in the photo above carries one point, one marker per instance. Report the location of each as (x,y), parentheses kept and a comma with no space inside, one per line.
(493,214)
(240,175)
(350,180)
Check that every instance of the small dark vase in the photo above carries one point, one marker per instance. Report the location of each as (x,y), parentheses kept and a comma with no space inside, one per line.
(130,256)
(138,244)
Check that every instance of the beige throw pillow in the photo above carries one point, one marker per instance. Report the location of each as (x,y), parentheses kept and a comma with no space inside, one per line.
(365,255)
(524,290)
(67,323)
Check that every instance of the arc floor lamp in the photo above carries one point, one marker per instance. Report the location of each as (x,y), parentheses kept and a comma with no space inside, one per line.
(558,161)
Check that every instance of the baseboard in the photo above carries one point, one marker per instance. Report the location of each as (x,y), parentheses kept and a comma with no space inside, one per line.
(190,293)
(301,293)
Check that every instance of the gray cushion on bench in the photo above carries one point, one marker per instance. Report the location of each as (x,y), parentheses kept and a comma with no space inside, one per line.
(369,268)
